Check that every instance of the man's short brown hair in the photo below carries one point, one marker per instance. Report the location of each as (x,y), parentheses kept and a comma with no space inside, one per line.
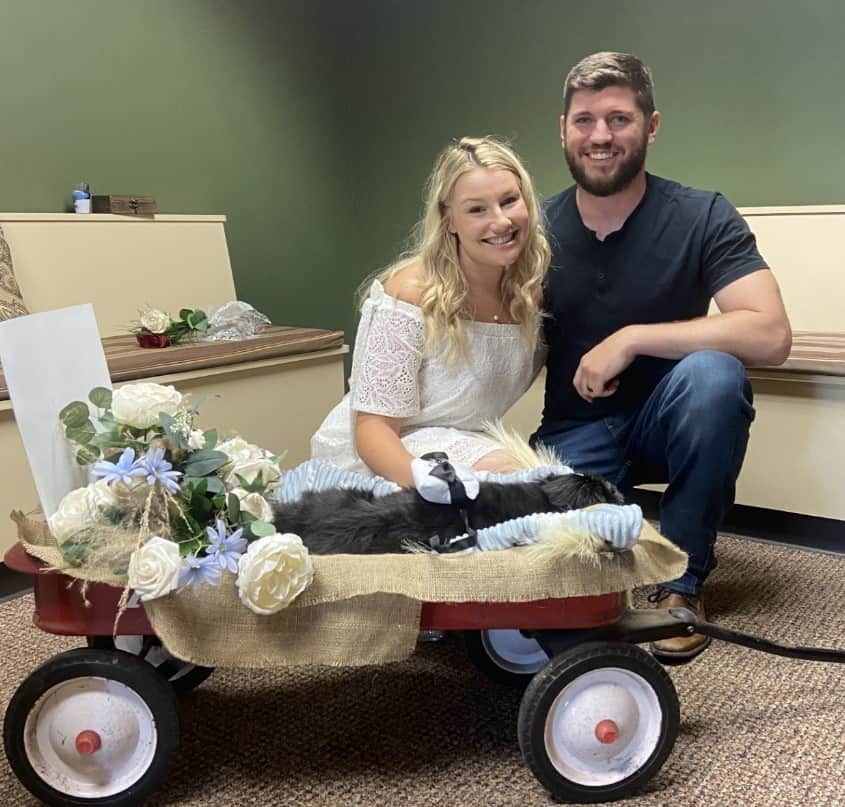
(611,69)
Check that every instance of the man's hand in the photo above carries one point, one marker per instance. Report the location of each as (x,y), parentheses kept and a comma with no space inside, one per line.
(598,372)
(437,480)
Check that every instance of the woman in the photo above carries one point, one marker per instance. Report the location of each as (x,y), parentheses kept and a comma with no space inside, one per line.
(448,337)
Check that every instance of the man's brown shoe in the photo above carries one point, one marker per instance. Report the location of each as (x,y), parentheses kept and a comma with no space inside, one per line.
(680,648)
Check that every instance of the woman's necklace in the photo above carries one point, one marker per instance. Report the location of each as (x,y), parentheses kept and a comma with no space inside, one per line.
(499,311)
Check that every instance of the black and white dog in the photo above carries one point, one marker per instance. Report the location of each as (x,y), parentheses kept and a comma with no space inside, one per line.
(357,522)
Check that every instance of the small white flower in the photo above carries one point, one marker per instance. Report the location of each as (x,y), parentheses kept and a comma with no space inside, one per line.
(154,568)
(139,405)
(155,321)
(254,503)
(196,439)
(274,571)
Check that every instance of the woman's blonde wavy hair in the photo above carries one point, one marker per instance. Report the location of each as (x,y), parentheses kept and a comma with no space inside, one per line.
(443,284)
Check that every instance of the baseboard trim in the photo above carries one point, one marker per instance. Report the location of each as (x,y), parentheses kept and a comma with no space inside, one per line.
(778,526)
(13,584)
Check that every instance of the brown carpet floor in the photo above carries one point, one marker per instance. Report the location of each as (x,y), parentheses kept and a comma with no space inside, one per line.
(755,729)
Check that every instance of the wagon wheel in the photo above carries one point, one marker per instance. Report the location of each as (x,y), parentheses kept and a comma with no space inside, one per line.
(598,722)
(183,676)
(92,727)
(506,656)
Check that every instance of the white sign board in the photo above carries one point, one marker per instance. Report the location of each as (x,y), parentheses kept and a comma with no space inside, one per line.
(50,359)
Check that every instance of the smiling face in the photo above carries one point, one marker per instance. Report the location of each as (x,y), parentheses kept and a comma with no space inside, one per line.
(488,215)
(604,137)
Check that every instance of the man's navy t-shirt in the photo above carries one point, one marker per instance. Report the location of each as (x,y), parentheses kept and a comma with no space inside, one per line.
(675,251)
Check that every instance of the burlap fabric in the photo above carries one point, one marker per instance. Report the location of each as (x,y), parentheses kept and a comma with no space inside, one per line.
(365,609)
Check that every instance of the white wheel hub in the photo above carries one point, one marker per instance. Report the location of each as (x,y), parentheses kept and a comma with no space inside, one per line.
(513,652)
(603,727)
(63,720)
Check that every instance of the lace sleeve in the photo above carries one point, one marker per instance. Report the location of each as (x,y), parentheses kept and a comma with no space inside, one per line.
(386,362)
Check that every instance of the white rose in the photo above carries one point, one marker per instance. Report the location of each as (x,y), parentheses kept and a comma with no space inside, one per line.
(154,568)
(155,321)
(196,439)
(248,461)
(254,503)
(273,572)
(73,514)
(138,405)
(102,494)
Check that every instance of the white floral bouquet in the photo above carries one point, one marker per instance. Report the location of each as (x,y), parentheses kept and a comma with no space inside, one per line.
(170,505)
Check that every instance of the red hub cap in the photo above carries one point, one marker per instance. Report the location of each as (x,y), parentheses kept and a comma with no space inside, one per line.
(607,732)
(87,742)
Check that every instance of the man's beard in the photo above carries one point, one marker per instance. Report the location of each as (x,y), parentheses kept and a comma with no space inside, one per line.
(628,169)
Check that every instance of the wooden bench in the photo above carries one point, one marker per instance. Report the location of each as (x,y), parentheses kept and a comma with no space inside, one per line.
(273,389)
(798,437)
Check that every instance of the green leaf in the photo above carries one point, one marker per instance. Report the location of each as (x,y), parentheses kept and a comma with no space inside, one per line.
(75,414)
(83,434)
(195,318)
(258,485)
(86,455)
(205,462)
(233,505)
(211,438)
(261,528)
(101,397)
(197,484)
(184,313)
(247,517)
(215,484)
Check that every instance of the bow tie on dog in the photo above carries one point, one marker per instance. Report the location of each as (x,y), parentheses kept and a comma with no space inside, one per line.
(449,501)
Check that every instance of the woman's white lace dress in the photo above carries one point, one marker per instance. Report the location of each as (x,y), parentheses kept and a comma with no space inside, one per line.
(442,407)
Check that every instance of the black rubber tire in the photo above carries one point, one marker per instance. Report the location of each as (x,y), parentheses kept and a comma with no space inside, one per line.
(481,650)
(562,670)
(183,676)
(113,665)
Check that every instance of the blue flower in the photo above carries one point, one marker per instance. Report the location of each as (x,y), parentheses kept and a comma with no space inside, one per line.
(226,549)
(124,470)
(196,571)
(158,469)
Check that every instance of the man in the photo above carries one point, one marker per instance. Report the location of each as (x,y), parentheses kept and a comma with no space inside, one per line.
(642,386)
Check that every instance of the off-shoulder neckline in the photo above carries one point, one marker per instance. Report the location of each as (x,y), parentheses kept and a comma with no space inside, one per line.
(378,296)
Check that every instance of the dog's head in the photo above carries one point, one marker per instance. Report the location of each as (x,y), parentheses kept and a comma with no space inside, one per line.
(573,491)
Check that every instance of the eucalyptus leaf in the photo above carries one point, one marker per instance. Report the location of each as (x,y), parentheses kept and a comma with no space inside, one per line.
(176,438)
(205,462)
(262,528)
(215,484)
(200,401)
(83,434)
(233,505)
(101,397)
(211,438)
(75,414)
(86,455)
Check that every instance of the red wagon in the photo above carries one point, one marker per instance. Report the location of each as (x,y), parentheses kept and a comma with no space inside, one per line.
(99,725)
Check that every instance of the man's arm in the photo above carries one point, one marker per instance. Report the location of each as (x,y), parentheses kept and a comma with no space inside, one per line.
(752,325)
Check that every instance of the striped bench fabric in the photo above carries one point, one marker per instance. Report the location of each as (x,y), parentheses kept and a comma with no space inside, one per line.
(818,352)
(128,361)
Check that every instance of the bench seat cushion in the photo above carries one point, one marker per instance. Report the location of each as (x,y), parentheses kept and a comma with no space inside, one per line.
(818,352)
(127,361)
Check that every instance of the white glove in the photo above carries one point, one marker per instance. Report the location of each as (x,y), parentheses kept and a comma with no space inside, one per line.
(431,479)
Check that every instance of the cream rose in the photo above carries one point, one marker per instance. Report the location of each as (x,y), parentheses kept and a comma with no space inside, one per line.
(248,461)
(154,568)
(273,572)
(155,321)
(255,504)
(73,514)
(139,405)
(80,508)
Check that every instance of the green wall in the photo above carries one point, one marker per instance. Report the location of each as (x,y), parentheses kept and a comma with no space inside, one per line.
(312,123)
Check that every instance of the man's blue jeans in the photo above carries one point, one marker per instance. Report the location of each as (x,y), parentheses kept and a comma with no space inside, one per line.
(691,432)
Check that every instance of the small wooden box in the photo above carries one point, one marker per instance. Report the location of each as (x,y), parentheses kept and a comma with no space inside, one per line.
(123,205)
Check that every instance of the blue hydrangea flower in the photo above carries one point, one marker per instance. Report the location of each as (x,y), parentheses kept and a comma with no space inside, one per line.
(226,549)
(124,470)
(158,469)
(196,571)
